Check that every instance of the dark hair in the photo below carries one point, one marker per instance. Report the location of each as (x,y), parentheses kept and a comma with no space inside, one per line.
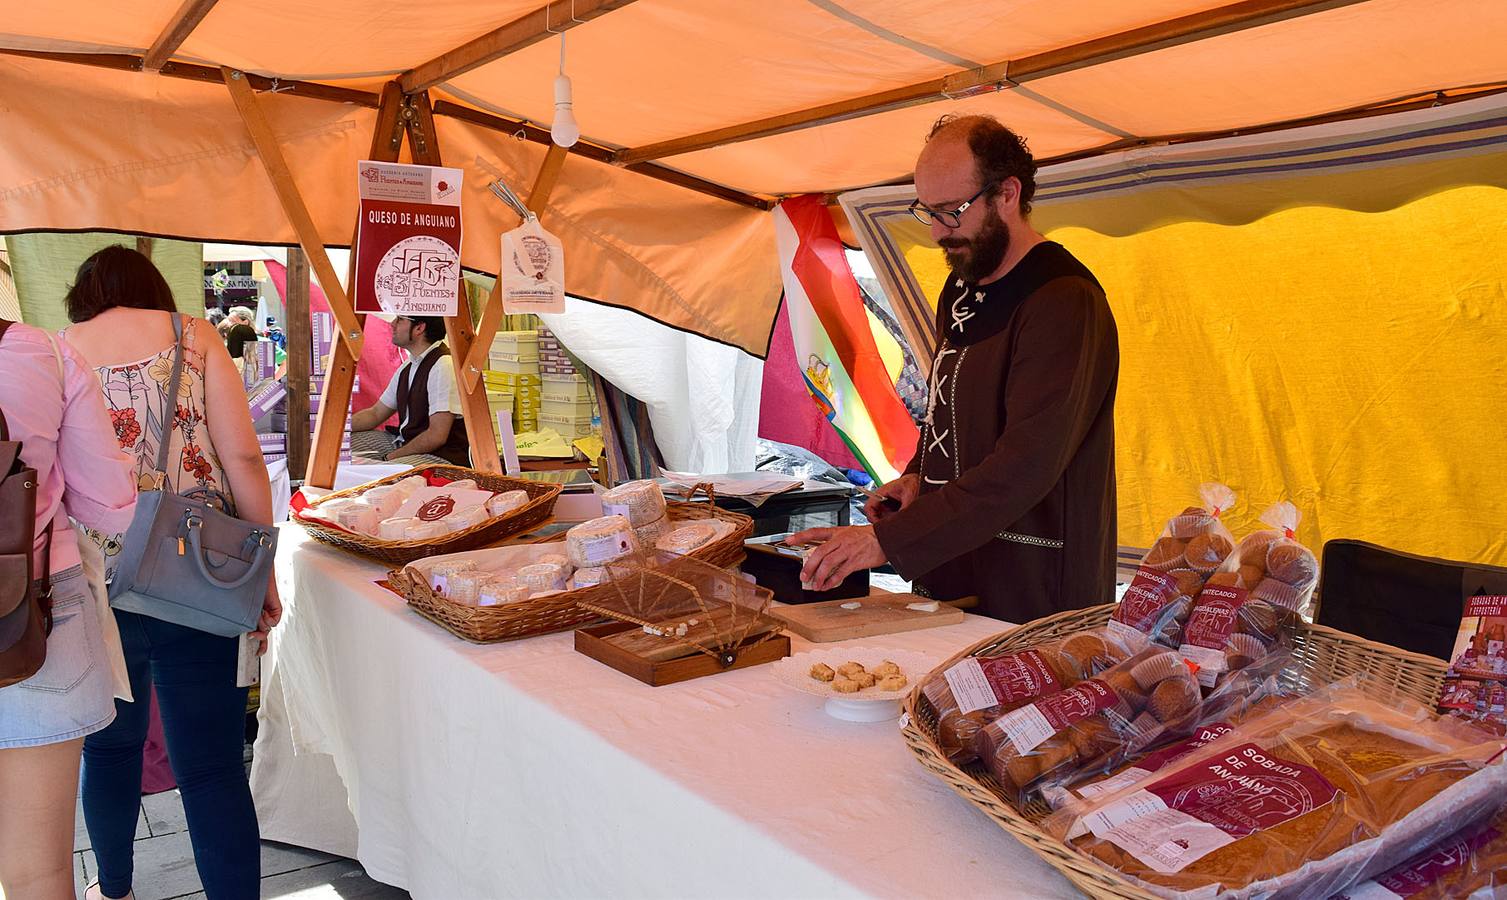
(117,276)
(998,153)
(434,326)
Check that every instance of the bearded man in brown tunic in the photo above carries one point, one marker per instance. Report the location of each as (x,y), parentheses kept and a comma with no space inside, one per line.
(1011,493)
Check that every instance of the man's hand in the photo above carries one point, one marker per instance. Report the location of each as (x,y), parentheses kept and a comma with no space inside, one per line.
(902,490)
(843,551)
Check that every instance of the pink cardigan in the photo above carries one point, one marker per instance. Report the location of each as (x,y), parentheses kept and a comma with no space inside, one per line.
(67,437)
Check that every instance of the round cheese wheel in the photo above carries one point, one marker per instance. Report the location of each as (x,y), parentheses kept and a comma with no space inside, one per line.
(600,541)
(640,502)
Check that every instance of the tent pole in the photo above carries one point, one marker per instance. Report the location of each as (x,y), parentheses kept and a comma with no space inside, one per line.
(144,246)
(491,314)
(183,23)
(424,145)
(300,348)
(340,375)
(293,206)
(525,31)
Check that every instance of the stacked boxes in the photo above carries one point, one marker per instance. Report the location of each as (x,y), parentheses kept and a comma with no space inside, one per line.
(552,358)
(566,405)
(266,397)
(514,370)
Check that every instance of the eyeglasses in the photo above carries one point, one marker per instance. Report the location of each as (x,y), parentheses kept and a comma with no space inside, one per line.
(951,218)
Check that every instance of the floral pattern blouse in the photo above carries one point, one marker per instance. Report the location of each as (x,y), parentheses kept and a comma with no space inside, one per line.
(143,416)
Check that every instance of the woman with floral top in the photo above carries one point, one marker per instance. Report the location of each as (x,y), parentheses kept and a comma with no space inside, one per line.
(122,309)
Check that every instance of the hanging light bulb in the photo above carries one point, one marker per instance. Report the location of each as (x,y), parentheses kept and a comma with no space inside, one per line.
(564,132)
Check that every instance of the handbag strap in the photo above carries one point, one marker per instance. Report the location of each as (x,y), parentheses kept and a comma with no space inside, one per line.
(5,325)
(170,404)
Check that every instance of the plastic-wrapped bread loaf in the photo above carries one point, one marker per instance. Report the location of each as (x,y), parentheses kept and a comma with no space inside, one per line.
(976,690)
(600,541)
(1299,801)
(640,502)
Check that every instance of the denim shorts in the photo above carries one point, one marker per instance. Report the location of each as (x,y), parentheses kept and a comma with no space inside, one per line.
(72,695)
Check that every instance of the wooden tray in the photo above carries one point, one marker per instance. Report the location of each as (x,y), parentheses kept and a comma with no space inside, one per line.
(754,651)
(824,622)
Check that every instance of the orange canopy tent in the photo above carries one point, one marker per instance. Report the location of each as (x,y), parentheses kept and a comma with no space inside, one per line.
(167,116)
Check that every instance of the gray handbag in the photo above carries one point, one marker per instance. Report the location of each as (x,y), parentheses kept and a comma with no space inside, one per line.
(186,558)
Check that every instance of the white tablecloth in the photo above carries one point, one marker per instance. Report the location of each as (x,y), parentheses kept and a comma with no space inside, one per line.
(526,769)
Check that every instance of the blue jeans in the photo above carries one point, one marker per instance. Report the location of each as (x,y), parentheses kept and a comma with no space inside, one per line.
(203,719)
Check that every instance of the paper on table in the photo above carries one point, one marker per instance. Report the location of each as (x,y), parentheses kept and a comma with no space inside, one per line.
(753,489)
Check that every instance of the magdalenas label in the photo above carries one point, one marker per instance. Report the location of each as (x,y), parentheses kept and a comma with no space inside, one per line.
(1176,820)
(1212,620)
(1149,593)
(1030,726)
(980,683)
(1422,872)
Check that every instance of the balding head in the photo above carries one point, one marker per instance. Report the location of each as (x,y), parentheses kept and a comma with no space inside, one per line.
(996,152)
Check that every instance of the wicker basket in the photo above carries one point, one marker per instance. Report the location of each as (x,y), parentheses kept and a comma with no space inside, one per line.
(557,612)
(1320,655)
(536,512)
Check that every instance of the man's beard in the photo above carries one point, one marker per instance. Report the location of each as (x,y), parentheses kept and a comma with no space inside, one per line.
(974,259)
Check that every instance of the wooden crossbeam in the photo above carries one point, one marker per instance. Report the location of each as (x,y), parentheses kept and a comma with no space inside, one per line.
(1162,35)
(524,31)
(340,374)
(424,145)
(184,21)
(276,164)
(492,312)
(591,151)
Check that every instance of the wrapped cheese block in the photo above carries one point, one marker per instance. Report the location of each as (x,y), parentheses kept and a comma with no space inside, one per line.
(439,574)
(410,485)
(600,541)
(469,517)
(1300,801)
(506,502)
(591,577)
(1114,714)
(640,502)
(556,559)
(1193,545)
(650,534)
(976,690)
(542,577)
(385,499)
(464,586)
(427,531)
(500,591)
(463,484)
(357,516)
(688,537)
(395,529)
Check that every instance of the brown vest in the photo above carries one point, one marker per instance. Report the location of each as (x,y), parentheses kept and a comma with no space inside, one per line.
(413,409)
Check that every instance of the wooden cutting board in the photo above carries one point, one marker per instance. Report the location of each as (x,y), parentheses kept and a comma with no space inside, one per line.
(827,621)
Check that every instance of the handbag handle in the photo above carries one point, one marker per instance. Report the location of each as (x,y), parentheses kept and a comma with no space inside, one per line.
(252,570)
(170,402)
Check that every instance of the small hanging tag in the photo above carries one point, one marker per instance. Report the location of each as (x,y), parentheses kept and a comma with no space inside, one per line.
(533,271)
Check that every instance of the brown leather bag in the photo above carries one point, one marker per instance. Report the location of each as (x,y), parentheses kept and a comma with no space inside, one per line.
(25,600)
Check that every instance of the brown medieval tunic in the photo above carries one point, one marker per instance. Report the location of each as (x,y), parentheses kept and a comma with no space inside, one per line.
(1017,455)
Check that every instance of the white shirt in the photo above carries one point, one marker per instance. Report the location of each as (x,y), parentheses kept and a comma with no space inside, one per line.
(444,396)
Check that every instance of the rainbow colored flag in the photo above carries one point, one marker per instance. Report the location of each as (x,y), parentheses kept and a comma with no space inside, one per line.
(834,346)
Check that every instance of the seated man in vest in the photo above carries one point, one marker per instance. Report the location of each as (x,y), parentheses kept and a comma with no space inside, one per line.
(423,394)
